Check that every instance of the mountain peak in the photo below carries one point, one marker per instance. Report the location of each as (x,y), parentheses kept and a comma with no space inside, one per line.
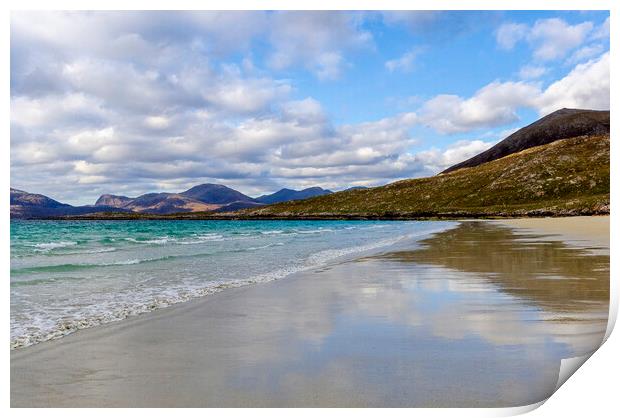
(215,194)
(561,124)
(112,200)
(284,195)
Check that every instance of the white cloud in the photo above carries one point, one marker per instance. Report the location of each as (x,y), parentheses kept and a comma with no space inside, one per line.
(157,122)
(464,150)
(550,38)
(123,85)
(307,110)
(585,53)
(247,95)
(493,105)
(437,161)
(586,86)
(49,112)
(404,63)
(509,34)
(85,143)
(532,72)
(85,167)
(329,65)
(602,32)
(315,40)
(414,19)
(554,37)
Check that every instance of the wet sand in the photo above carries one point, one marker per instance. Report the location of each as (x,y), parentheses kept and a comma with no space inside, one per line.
(586,230)
(479,315)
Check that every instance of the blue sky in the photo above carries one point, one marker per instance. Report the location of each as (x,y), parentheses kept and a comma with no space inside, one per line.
(133,102)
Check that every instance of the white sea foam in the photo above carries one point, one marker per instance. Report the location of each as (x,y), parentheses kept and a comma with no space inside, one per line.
(164,240)
(47,246)
(327,255)
(93,251)
(314,231)
(260,247)
(160,240)
(125,262)
(201,239)
(274,232)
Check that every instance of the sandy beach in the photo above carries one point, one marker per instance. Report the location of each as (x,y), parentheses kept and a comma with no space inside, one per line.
(478,315)
(588,230)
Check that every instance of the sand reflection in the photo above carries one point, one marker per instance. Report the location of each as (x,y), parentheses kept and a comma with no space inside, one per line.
(548,273)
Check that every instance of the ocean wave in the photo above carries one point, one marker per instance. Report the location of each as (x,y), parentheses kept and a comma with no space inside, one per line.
(274,232)
(161,240)
(44,280)
(325,256)
(49,253)
(195,239)
(60,268)
(209,235)
(92,251)
(68,267)
(314,231)
(201,239)
(261,247)
(47,246)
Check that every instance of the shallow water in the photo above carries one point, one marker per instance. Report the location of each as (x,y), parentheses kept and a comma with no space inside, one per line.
(68,275)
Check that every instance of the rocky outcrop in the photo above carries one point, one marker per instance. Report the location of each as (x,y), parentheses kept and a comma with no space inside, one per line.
(112,200)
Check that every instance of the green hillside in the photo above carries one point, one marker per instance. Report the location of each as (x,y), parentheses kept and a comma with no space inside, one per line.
(566,177)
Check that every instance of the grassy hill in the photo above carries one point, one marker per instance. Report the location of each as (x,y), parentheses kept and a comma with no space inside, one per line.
(561,124)
(565,177)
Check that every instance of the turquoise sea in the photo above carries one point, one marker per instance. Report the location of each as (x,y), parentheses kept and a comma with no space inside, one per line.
(68,275)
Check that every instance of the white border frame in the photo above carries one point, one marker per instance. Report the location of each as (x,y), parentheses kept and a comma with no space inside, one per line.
(591,391)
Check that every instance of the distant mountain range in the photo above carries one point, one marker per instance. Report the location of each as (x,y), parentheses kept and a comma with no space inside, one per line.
(201,198)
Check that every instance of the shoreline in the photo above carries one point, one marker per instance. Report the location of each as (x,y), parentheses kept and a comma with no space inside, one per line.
(226,336)
(416,217)
(211,288)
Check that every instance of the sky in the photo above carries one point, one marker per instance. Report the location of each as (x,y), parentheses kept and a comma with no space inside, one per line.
(135,102)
